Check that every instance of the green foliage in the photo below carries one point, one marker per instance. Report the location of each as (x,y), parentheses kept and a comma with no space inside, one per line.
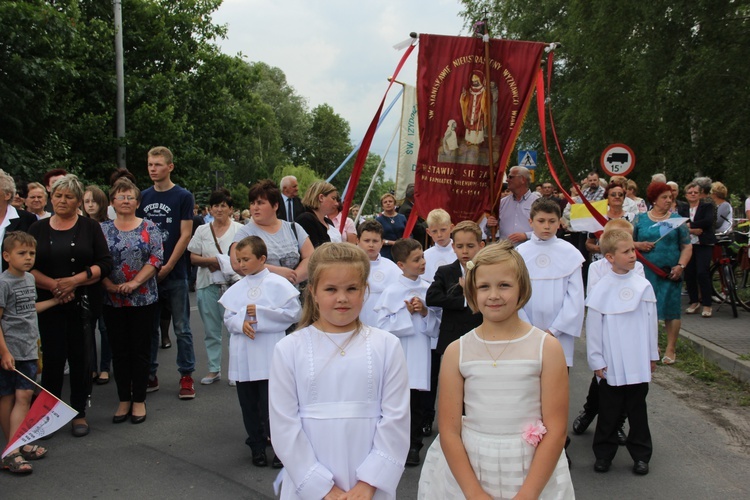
(666,77)
(328,143)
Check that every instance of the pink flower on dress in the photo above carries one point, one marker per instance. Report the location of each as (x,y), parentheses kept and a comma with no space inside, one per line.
(533,433)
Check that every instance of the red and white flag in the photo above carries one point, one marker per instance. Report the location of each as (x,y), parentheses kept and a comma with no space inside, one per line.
(45,416)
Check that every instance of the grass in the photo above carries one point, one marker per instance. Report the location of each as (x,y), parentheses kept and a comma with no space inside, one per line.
(707,373)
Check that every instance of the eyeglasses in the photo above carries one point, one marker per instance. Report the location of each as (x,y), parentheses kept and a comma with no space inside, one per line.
(511,177)
(692,192)
(122,197)
(617,195)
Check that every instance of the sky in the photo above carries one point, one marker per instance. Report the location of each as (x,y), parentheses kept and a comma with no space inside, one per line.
(338,52)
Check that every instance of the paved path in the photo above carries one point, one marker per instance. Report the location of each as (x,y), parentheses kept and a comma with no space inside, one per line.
(195,449)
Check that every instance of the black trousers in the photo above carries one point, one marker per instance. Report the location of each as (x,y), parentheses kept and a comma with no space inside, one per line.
(130,330)
(698,276)
(417,416)
(253,398)
(613,402)
(63,338)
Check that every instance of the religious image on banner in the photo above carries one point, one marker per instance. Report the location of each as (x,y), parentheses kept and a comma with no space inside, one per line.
(460,107)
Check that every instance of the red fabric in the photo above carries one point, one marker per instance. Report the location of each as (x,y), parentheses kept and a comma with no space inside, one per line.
(457,180)
(364,148)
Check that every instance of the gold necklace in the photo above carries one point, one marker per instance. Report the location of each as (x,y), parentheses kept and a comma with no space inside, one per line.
(494,360)
(340,348)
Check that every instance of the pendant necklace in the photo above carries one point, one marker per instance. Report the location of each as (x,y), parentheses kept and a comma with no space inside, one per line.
(341,349)
(494,359)
(254,292)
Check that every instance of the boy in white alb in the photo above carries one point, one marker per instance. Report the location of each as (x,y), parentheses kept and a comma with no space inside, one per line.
(383,271)
(439,227)
(622,350)
(402,311)
(258,310)
(557,301)
(597,270)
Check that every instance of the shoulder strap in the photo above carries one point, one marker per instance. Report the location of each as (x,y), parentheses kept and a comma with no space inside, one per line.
(216,242)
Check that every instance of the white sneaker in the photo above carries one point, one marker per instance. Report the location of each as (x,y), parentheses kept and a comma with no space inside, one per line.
(232,383)
(210,380)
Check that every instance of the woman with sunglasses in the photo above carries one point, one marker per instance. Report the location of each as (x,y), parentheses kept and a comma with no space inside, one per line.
(615,196)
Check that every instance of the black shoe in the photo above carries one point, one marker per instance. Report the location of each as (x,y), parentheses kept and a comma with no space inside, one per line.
(602,465)
(138,419)
(118,419)
(276,462)
(622,438)
(413,457)
(582,422)
(80,430)
(640,467)
(259,459)
(427,429)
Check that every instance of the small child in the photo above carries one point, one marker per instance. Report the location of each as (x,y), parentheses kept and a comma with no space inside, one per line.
(497,383)
(19,333)
(339,391)
(258,310)
(556,304)
(447,293)
(622,350)
(402,311)
(597,270)
(439,227)
(382,271)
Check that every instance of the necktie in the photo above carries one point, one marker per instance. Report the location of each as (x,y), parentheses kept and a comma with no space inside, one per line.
(289,214)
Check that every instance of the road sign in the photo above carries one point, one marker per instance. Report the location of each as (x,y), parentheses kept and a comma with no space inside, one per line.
(617,159)
(527,159)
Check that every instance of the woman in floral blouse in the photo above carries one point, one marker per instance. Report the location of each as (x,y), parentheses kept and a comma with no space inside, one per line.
(130,298)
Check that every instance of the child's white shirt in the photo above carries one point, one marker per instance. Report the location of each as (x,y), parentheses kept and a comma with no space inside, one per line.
(383,272)
(622,328)
(557,299)
(277,307)
(414,330)
(437,256)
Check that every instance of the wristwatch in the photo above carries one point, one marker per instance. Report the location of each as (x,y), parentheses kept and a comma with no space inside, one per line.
(682,266)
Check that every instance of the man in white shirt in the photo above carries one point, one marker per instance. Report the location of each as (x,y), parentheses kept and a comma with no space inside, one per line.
(514,210)
(290,206)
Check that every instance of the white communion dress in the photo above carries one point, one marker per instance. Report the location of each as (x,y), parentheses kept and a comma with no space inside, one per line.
(499,402)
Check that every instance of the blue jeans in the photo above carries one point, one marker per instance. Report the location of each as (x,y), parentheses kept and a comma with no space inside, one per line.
(174,292)
(105,362)
(212,315)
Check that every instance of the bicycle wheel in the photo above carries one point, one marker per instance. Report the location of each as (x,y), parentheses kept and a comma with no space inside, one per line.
(729,287)
(742,283)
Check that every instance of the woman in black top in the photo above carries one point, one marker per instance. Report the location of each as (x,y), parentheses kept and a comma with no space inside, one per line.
(321,201)
(702,213)
(71,258)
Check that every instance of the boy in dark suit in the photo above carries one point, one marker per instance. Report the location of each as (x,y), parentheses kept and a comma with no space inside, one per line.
(447,292)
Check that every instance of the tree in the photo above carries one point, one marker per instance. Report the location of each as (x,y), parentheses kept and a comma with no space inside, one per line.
(328,143)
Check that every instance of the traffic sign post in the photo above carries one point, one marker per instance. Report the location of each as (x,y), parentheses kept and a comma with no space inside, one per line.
(527,159)
(617,159)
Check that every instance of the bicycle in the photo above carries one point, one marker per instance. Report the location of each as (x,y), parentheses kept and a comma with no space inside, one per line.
(730,281)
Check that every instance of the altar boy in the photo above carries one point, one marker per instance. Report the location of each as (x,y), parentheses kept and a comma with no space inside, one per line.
(622,350)
(557,301)
(382,271)
(258,310)
(402,311)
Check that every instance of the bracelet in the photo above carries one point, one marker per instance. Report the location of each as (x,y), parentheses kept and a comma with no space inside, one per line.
(682,266)
(89,272)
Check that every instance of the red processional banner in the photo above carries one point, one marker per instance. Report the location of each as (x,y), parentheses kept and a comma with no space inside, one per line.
(455,125)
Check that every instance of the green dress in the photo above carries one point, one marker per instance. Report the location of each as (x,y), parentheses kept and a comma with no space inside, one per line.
(666,253)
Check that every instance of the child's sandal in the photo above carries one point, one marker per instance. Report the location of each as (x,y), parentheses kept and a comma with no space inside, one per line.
(35,452)
(17,464)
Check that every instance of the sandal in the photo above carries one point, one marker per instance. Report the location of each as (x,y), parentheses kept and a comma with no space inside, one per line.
(666,360)
(693,308)
(707,314)
(33,452)
(17,464)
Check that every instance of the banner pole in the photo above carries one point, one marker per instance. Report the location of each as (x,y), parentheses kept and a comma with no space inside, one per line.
(42,388)
(488,121)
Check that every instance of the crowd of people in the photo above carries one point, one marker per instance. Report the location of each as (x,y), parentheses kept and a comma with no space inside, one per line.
(306,305)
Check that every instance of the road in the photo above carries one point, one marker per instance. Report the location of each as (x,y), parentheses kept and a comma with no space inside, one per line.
(195,449)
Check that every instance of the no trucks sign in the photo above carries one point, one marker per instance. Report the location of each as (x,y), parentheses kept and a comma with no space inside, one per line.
(617,159)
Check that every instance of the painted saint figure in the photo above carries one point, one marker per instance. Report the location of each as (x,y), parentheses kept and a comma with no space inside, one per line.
(473,109)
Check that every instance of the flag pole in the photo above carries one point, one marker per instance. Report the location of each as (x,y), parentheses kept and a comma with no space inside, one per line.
(488,121)
(42,388)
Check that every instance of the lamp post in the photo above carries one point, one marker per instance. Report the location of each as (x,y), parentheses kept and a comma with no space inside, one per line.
(120,75)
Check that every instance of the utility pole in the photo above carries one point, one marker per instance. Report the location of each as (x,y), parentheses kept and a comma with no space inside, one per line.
(120,74)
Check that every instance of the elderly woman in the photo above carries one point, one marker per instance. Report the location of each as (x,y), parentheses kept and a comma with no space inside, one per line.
(632,191)
(393,224)
(71,258)
(11,218)
(723,207)
(615,196)
(671,253)
(36,200)
(321,202)
(209,241)
(700,211)
(289,247)
(131,295)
